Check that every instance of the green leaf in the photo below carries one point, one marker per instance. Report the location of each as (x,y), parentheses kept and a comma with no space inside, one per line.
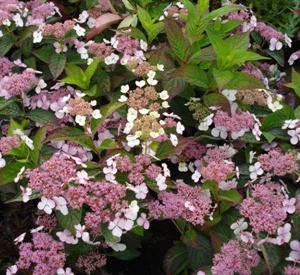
(193,18)
(10,171)
(269,137)
(295,84)
(70,220)
(155,30)
(38,139)
(42,116)
(76,80)
(191,74)
(174,85)
(216,100)
(126,255)
(164,150)
(220,234)
(239,42)
(175,259)
(57,64)
(90,3)
(89,72)
(105,111)
(277,118)
(19,197)
(231,216)
(73,134)
(277,55)
(76,250)
(44,53)
(107,234)
(222,78)
(271,255)
(107,144)
(190,238)
(176,38)
(6,43)
(231,196)
(241,81)
(221,11)
(9,107)
(241,57)
(297,112)
(201,256)
(72,69)
(13,125)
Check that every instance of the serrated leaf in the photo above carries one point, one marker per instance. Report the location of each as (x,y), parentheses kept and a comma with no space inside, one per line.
(277,118)
(216,100)
(176,39)
(105,111)
(239,42)
(6,43)
(70,220)
(174,86)
(73,134)
(201,256)
(57,64)
(271,255)
(164,150)
(190,238)
(277,55)
(10,171)
(155,30)
(241,57)
(242,81)
(175,259)
(191,74)
(221,11)
(230,196)
(9,107)
(44,53)
(42,116)
(223,231)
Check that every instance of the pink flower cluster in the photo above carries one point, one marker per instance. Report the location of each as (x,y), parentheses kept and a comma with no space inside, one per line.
(44,252)
(91,261)
(59,30)
(217,170)
(235,258)
(189,203)
(51,176)
(279,162)
(17,84)
(264,208)
(235,123)
(139,169)
(5,66)
(9,143)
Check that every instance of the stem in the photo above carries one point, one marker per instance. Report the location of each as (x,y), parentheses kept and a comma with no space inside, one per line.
(178,228)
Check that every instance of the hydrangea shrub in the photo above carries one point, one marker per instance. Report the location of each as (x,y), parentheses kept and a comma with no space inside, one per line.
(116,114)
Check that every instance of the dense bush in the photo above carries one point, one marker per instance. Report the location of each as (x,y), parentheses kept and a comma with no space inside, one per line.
(115,115)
